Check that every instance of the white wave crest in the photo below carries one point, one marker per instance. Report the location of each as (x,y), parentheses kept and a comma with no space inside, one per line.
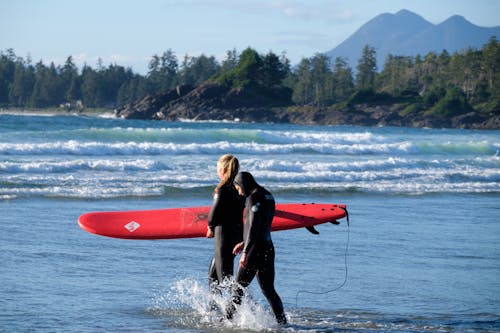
(74,147)
(80,164)
(286,137)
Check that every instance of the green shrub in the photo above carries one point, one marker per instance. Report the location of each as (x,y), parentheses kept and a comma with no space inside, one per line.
(452,104)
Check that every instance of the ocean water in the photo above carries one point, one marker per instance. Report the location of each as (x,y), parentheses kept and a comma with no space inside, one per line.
(421,252)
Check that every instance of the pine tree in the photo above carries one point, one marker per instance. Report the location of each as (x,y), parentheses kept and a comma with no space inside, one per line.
(367,69)
(343,84)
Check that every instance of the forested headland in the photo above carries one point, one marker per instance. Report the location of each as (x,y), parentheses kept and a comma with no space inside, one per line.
(443,85)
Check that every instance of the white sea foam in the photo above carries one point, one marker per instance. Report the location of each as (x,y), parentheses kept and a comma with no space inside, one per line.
(92,184)
(191,302)
(80,157)
(286,137)
(73,147)
(95,148)
(63,176)
(80,191)
(59,166)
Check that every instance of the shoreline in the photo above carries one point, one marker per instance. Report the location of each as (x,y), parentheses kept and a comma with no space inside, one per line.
(298,118)
(106,113)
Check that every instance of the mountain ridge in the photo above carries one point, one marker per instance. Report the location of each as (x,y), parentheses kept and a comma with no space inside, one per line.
(408,34)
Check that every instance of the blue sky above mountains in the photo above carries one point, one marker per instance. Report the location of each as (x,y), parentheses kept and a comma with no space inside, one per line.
(129,32)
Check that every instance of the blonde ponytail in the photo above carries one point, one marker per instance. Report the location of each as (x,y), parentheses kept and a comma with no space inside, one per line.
(231,164)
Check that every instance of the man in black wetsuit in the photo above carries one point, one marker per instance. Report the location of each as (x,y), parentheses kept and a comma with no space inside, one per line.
(257,247)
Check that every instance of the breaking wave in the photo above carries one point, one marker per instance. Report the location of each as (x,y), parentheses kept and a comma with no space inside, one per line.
(95,148)
(101,158)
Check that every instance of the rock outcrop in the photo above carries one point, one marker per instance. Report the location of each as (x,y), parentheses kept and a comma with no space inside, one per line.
(212,101)
(209,101)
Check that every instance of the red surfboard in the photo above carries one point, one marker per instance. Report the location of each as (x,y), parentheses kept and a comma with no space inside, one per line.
(192,222)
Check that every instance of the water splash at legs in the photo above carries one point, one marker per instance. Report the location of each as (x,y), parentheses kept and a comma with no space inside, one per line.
(190,303)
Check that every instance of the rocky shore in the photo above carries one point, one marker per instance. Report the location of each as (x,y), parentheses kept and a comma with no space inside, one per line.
(215,102)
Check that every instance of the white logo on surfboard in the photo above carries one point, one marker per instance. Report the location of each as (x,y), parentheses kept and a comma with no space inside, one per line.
(132,226)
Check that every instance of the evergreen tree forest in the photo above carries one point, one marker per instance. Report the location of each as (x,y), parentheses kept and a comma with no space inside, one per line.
(442,83)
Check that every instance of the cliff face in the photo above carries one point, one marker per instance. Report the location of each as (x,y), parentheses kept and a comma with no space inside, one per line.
(212,101)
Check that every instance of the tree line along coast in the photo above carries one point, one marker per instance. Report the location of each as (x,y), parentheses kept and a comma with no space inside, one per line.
(433,90)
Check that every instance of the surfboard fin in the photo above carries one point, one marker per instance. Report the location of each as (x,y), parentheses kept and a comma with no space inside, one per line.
(312,230)
(334,222)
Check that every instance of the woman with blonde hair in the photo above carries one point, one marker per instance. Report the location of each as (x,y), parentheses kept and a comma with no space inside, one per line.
(225,221)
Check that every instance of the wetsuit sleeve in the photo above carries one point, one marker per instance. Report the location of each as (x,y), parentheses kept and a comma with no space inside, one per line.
(216,209)
(254,220)
(239,225)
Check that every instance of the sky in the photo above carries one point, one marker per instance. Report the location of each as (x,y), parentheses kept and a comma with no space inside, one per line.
(130,32)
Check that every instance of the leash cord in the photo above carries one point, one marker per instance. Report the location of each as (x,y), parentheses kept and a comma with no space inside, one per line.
(345,276)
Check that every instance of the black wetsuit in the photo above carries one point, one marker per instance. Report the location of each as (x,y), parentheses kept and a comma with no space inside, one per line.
(225,219)
(258,246)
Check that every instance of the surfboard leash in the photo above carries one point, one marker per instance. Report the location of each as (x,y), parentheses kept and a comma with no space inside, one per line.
(345,265)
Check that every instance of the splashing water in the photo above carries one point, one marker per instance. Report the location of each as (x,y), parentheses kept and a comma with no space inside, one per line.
(190,304)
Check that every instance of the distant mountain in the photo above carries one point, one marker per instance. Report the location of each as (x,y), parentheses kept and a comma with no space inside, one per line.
(406,33)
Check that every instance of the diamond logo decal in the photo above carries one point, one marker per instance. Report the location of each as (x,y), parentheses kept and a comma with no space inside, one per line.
(132,226)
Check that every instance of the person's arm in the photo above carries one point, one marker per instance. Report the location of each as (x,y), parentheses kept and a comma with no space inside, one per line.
(243,260)
(215,211)
(254,218)
(237,248)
